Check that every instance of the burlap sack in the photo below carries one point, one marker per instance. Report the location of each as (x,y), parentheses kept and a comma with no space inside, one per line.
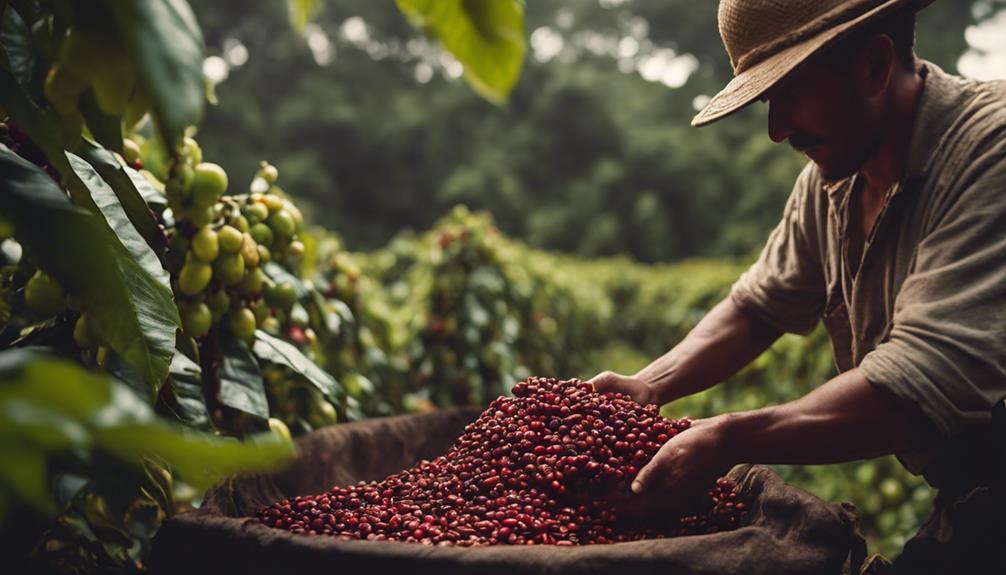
(789,531)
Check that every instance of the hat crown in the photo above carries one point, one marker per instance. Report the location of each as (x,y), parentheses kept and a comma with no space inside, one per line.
(753,29)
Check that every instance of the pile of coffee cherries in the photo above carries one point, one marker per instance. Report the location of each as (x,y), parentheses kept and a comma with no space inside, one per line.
(543,467)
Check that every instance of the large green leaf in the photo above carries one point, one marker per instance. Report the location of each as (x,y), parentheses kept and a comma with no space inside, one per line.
(15,39)
(274,350)
(199,459)
(167,46)
(109,206)
(48,395)
(129,186)
(241,385)
(134,312)
(183,393)
(486,36)
(107,130)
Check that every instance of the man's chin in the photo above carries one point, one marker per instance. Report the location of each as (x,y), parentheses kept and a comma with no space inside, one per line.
(831,173)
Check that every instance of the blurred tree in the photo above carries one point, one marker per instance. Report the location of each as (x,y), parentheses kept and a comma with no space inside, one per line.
(370,125)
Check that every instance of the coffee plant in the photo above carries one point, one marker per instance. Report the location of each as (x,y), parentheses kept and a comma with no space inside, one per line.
(171,308)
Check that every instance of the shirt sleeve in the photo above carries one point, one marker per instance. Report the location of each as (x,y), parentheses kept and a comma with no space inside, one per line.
(785,287)
(946,352)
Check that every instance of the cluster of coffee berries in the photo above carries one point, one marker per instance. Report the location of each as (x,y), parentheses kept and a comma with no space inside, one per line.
(219,244)
(547,466)
(87,55)
(46,297)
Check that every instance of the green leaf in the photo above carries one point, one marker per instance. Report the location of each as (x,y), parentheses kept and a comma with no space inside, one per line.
(241,385)
(167,46)
(183,393)
(121,370)
(24,472)
(274,350)
(106,419)
(15,40)
(130,187)
(107,130)
(156,200)
(199,459)
(134,312)
(43,129)
(108,202)
(301,12)
(486,36)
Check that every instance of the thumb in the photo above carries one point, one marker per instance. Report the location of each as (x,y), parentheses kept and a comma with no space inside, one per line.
(642,480)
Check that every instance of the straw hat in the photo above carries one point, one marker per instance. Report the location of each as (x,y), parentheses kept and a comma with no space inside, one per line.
(767,39)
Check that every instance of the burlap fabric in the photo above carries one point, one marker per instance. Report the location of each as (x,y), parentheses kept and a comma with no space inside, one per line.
(789,531)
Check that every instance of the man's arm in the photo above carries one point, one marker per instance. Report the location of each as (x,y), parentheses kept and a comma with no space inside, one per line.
(722,343)
(846,419)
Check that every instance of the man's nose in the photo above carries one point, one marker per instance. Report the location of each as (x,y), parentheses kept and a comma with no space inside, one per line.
(779,126)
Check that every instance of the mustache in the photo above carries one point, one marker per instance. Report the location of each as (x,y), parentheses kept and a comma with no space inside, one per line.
(801,142)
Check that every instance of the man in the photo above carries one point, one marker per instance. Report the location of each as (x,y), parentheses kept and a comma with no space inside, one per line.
(895,237)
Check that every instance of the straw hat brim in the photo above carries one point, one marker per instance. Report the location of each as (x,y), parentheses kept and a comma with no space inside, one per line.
(750,84)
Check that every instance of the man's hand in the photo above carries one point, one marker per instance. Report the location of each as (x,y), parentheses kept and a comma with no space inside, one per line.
(688,463)
(678,475)
(642,392)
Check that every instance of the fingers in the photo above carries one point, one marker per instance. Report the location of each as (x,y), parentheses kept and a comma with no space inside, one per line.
(605,381)
(642,480)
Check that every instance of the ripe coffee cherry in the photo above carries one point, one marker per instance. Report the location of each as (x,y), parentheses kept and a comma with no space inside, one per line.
(209,183)
(230,239)
(83,333)
(242,324)
(44,295)
(282,223)
(206,244)
(196,318)
(194,277)
(230,268)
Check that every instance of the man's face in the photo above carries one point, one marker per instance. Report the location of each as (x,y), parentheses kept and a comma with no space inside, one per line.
(824,114)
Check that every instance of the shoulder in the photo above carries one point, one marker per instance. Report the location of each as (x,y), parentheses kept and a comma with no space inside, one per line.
(973,139)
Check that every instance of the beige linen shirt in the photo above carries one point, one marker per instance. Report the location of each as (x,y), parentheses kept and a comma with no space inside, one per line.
(924,317)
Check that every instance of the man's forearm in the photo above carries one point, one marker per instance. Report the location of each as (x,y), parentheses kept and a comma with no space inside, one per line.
(722,343)
(846,419)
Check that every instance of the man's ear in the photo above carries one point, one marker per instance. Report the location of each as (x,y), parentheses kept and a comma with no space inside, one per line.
(874,65)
